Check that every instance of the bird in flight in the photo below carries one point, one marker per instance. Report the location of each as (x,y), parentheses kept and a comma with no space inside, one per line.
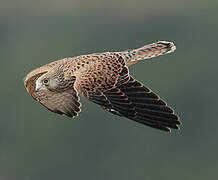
(104,79)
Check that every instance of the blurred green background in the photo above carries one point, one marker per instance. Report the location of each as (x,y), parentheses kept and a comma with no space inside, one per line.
(37,144)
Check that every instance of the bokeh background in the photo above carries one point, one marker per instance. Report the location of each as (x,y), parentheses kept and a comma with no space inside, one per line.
(37,144)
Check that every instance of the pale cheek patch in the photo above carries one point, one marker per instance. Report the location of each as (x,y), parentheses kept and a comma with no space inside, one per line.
(53,84)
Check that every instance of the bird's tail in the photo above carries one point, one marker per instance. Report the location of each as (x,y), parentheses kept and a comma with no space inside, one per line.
(148,51)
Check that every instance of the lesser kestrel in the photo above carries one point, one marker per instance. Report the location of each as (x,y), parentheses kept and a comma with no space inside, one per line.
(104,79)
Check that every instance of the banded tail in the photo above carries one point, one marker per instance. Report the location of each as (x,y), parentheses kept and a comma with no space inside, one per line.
(148,51)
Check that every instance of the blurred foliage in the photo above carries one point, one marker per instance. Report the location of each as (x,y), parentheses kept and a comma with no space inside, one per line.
(37,144)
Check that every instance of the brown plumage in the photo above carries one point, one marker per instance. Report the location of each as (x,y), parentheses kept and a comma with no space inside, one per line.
(104,79)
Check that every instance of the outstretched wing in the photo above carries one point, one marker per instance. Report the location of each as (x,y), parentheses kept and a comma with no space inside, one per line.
(131,99)
(66,102)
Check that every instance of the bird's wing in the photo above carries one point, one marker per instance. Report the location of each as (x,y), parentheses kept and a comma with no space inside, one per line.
(43,69)
(131,99)
(66,102)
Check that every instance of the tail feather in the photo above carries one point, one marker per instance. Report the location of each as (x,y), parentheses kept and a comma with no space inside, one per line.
(148,51)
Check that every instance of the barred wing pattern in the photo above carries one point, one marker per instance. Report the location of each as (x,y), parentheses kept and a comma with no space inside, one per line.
(66,102)
(131,99)
(104,79)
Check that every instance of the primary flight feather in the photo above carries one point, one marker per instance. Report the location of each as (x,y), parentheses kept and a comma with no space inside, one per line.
(104,79)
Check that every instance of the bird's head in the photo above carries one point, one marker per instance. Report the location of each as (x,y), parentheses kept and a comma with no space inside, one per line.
(47,82)
(52,80)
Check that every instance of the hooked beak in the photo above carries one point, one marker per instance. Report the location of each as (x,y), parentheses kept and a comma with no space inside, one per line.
(38,87)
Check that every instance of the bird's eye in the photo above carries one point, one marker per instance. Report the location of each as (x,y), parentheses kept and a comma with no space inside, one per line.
(45,82)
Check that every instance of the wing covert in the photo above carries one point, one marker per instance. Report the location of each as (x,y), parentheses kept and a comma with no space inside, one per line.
(131,99)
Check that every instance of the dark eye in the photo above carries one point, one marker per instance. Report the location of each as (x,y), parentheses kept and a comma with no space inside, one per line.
(45,81)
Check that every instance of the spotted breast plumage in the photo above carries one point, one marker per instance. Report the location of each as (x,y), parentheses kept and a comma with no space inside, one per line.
(104,79)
